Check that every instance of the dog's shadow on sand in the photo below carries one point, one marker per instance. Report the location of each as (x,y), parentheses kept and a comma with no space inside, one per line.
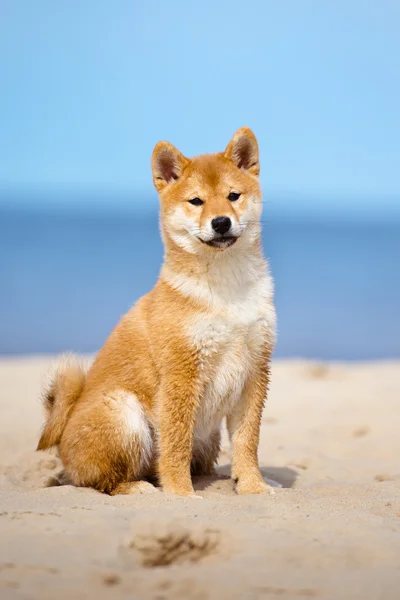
(280,477)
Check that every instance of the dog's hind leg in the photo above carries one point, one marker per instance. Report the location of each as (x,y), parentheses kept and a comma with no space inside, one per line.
(108,444)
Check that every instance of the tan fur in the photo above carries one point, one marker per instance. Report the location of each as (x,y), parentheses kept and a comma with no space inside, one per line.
(60,393)
(193,351)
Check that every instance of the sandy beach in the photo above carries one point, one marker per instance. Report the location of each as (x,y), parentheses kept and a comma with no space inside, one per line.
(330,438)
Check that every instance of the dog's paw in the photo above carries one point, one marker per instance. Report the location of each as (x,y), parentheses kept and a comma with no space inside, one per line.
(253,485)
(185,492)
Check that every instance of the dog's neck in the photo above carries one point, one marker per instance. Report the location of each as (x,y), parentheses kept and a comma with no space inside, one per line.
(214,276)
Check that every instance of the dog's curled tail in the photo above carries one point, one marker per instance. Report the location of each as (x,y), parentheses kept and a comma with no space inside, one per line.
(64,385)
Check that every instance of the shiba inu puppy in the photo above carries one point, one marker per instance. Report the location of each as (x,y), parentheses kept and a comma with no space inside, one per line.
(193,351)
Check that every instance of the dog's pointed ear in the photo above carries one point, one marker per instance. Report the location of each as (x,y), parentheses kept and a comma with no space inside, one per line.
(167,164)
(242,150)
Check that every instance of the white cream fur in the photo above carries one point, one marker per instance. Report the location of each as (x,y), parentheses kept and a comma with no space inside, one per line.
(185,231)
(134,424)
(235,292)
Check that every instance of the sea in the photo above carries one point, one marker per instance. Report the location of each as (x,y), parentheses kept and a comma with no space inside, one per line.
(67,276)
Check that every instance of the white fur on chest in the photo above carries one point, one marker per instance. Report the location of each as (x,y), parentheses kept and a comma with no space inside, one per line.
(226,350)
(238,319)
(224,367)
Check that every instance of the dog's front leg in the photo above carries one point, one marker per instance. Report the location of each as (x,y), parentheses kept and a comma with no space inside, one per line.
(178,406)
(244,431)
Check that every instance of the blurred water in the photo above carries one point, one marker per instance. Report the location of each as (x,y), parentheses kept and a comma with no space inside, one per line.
(65,279)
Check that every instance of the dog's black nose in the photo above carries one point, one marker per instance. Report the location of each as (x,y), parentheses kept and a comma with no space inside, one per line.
(221,224)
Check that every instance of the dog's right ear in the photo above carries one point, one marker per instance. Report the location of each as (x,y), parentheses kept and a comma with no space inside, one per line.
(167,164)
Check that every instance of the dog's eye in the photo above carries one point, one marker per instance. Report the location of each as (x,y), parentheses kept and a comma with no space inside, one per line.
(196,201)
(233,196)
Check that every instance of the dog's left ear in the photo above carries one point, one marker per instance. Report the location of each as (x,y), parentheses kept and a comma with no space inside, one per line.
(242,150)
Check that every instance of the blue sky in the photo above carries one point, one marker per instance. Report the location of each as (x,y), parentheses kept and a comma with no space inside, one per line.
(89,87)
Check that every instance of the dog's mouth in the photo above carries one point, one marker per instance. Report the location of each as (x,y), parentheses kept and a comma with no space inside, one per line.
(221,242)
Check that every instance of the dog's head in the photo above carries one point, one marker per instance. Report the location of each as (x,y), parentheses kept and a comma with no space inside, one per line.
(213,201)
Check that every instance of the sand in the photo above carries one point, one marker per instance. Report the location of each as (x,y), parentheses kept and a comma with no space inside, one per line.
(330,437)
